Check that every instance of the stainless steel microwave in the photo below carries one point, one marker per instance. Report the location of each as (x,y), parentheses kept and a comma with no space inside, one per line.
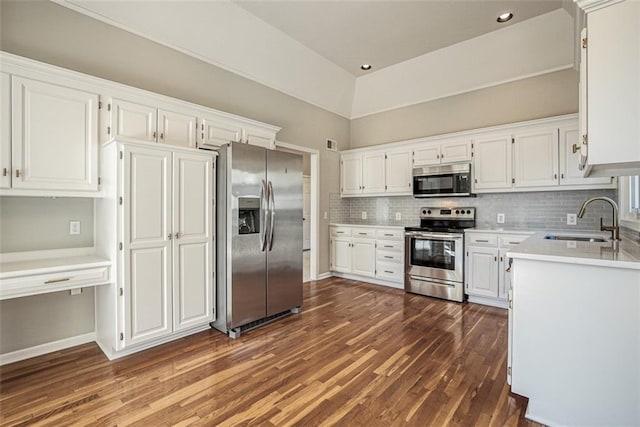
(442,181)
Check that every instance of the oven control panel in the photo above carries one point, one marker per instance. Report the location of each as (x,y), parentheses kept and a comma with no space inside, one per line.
(449,213)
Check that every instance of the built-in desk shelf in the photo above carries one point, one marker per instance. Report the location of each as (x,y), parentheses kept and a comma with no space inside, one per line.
(33,273)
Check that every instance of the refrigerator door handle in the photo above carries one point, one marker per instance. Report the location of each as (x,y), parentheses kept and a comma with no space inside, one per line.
(263,215)
(272,206)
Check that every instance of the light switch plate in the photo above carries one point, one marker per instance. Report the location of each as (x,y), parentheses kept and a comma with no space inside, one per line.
(364,214)
(325,215)
(398,216)
(572,219)
(500,218)
(74,228)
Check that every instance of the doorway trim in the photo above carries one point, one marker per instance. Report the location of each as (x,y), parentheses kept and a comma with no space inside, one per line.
(315,202)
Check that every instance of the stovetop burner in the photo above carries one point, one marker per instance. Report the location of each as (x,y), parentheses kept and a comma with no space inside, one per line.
(445,220)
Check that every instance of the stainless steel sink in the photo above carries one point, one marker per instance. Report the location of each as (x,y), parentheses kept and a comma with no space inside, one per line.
(575,238)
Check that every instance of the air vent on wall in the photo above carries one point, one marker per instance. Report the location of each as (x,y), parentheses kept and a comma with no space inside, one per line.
(332,145)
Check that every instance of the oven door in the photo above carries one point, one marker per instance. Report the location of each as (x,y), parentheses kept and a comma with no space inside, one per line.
(434,255)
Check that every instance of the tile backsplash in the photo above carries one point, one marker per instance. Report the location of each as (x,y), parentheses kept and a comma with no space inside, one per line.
(535,210)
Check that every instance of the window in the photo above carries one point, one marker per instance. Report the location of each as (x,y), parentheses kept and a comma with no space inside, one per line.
(629,195)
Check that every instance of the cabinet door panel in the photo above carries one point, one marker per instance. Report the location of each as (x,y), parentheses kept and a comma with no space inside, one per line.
(492,166)
(54,137)
(536,158)
(455,151)
(177,128)
(135,121)
(373,173)
(147,245)
(482,272)
(259,137)
(5,130)
(192,221)
(428,154)
(570,174)
(398,172)
(341,255)
(363,257)
(504,277)
(351,174)
(215,132)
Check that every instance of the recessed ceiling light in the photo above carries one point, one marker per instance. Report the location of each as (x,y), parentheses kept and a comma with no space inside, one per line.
(505,17)
(365,67)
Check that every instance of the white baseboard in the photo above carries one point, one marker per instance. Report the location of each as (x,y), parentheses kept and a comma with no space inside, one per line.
(488,301)
(371,280)
(324,275)
(39,350)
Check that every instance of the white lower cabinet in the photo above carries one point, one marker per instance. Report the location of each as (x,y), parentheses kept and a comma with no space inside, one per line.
(160,200)
(487,280)
(368,252)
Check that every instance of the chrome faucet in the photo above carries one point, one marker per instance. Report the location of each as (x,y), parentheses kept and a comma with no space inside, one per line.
(614,228)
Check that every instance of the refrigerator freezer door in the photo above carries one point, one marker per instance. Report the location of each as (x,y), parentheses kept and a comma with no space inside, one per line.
(284,255)
(246,298)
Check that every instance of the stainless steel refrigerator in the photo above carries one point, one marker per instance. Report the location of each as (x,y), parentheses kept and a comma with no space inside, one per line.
(259,223)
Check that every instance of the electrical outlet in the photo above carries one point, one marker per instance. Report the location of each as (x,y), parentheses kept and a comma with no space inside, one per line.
(398,216)
(74,227)
(500,218)
(75,291)
(572,219)
(364,214)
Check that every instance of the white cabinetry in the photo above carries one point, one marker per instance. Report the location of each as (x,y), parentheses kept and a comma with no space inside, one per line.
(216,131)
(375,172)
(5,130)
(492,162)
(161,201)
(132,120)
(368,252)
(446,151)
(487,280)
(570,174)
(535,155)
(612,86)
(54,139)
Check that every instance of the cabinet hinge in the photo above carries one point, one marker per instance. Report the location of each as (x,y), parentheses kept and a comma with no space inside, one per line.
(108,130)
(513,180)
(385,187)
(585,42)
(99,180)
(585,139)
(513,140)
(121,336)
(99,105)
(120,245)
(509,370)
(121,292)
(472,154)
(121,155)
(214,311)
(108,107)
(120,200)
(385,157)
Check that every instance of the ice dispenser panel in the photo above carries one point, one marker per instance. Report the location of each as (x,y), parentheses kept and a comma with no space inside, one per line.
(248,215)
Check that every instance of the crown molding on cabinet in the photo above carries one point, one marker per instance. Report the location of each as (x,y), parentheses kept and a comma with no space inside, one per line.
(592,5)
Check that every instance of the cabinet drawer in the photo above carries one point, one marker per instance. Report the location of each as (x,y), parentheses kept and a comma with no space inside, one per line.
(340,231)
(390,245)
(511,240)
(388,234)
(482,239)
(363,233)
(389,271)
(386,256)
(53,282)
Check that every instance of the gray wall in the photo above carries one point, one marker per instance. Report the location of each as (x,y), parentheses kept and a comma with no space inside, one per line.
(533,98)
(536,210)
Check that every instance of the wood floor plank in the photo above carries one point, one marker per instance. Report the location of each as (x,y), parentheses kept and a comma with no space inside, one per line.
(357,354)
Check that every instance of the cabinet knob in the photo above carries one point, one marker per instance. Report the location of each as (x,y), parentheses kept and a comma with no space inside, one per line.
(5,171)
(162,136)
(177,235)
(575,148)
(170,236)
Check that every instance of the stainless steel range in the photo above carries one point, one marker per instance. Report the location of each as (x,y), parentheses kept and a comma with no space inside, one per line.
(434,252)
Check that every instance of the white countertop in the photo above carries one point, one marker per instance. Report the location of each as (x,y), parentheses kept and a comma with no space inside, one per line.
(498,231)
(394,227)
(50,265)
(538,248)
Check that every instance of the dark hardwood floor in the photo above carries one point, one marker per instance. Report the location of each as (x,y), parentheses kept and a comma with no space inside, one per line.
(358,354)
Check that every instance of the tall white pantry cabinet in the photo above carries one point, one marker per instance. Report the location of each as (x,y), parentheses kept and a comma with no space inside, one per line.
(156,224)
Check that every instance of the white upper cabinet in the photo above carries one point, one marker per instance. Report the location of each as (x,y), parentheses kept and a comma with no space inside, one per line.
(260,137)
(535,155)
(398,172)
(176,128)
(492,162)
(5,130)
(54,137)
(613,87)
(570,174)
(445,151)
(376,172)
(147,123)
(215,132)
(373,171)
(134,121)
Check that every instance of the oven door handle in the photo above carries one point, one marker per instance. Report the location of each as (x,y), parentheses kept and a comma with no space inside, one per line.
(436,236)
